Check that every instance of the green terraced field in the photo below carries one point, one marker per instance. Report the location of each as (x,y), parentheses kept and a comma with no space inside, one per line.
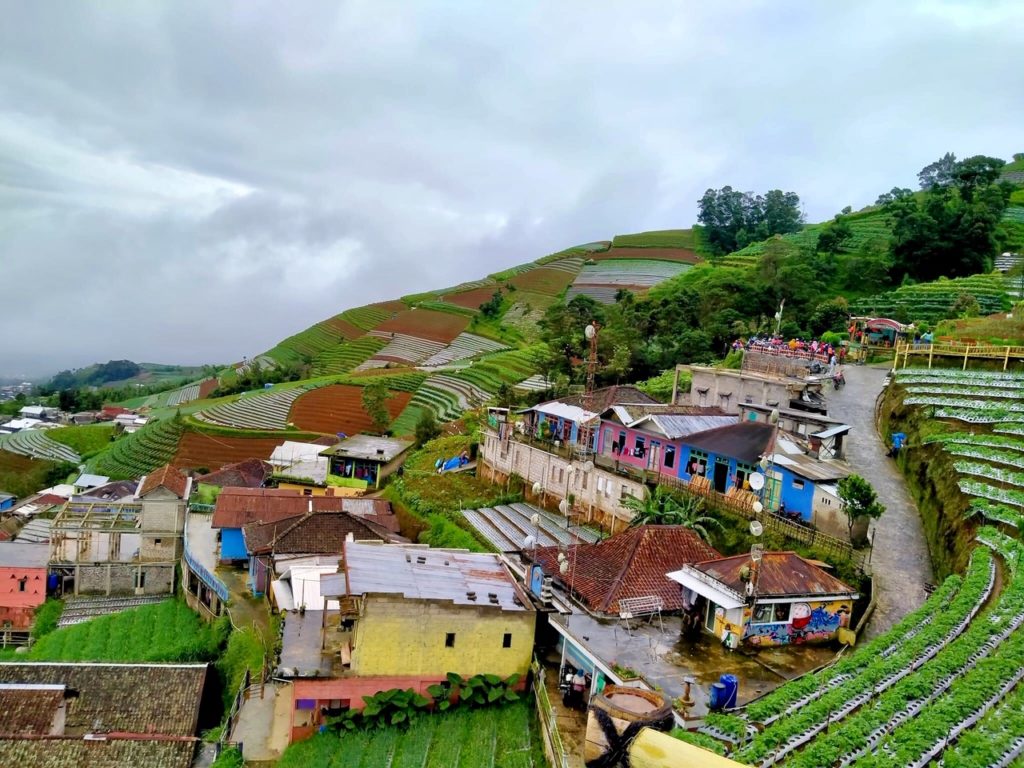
(140,452)
(934,301)
(344,357)
(663,238)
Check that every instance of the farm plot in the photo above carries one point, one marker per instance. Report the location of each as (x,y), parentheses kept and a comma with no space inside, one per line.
(990,466)
(339,408)
(346,357)
(934,301)
(34,444)
(526,312)
(629,272)
(682,255)
(195,391)
(140,452)
(471,299)
(490,372)
(267,410)
(426,324)
(464,346)
(550,280)
(200,450)
(504,737)
(402,348)
(85,439)
(666,238)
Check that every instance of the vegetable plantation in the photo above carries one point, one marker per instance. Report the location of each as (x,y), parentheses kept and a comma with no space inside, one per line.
(36,444)
(934,301)
(136,454)
(465,738)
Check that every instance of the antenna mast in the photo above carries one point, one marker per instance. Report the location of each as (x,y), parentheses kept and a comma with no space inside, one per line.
(586,432)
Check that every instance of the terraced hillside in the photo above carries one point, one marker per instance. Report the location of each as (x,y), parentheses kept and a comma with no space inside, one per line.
(35,444)
(602,280)
(339,408)
(140,452)
(265,410)
(934,301)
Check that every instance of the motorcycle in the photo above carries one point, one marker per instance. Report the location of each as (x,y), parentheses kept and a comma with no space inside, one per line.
(838,380)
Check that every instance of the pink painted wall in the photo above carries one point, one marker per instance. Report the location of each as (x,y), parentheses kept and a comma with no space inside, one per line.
(626,457)
(16,606)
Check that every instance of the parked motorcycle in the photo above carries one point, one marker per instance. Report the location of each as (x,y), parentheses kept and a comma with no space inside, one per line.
(838,380)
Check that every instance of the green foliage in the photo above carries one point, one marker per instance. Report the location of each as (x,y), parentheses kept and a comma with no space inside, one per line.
(665,238)
(244,651)
(167,631)
(95,375)
(375,402)
(427,427)
(934,301)
(140,452)
(46,618)
(492,307)
(87,440)
(665,508)
(859,499)
(660,387)
(347,356)
(699,740)
(733,219)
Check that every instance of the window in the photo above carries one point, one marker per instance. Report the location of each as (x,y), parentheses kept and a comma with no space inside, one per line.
(698,462)
(639,448)
(798,484)
(584,481)
(506,641)
(553,474)
(157,541)
(561,474)
(21,584)
(449,640)
(307,491)
(670,456)
(771,613)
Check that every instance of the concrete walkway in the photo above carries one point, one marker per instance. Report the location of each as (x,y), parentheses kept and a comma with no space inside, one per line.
(900,561)
(264,723)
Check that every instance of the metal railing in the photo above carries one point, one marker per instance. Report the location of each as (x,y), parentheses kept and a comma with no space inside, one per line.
(205,575)
(962,351)
(548,718)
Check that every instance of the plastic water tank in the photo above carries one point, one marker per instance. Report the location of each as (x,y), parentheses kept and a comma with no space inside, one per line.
(732,686)
(716,699)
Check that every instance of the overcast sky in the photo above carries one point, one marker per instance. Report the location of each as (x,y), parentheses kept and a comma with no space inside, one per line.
(190,182)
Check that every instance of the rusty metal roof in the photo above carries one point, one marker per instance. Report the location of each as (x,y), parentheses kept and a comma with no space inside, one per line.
(780,574)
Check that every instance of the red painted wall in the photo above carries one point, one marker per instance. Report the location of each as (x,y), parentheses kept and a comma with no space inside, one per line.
(16,606)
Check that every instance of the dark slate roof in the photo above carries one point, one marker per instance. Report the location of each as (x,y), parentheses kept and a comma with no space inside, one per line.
(747,441)
(119,489)
(630,564)
(28,711)
(165,477)
(112,753)
(314,534)
(124,698)
(781,574)
(251,473)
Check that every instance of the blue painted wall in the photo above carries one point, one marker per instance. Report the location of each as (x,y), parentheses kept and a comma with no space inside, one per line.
(232,545)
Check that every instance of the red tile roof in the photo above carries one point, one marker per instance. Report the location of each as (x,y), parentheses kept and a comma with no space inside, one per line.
(630,564)
(251,473)
(165,477)
(26,712)
(781,574)
(238,507)
(313,534)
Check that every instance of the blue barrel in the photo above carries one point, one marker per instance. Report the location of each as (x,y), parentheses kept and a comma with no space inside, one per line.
(52,582)
(716,700)
(732,686)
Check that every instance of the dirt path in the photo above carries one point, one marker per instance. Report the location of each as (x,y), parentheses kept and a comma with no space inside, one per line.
(900,561)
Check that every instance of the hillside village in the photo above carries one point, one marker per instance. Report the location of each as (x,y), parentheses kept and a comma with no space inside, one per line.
(570,511)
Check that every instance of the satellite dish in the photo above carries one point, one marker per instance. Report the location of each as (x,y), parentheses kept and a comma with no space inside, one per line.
(756,481)
(590,331)
(588,466)
(536,489)
(563,506)
(756,528)
(534,519)
(529,541)
(758,507)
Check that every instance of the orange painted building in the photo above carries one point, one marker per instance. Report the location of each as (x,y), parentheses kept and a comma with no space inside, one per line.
(22,582)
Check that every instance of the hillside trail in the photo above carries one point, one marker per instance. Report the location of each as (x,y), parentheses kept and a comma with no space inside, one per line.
(899,562)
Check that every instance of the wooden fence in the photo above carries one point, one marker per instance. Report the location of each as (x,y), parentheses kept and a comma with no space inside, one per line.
(961,351)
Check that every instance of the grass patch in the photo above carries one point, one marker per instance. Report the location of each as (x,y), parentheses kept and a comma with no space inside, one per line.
(87,440)
(660,387)
(47,616)
(207,494)
(244,652)
(167,631)
(663,238)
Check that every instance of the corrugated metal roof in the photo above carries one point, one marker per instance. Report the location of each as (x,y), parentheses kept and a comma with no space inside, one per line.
(673,426)
(367,447)
(780,574)
(565,411)
(427,574)
(24,554)
(811,468)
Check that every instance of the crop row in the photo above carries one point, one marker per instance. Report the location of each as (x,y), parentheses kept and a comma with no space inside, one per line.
(1009,429)
(992,493)
(367,317)
(969,438)
(991,455)
(983,416)
(464,346)
(467,395)
(267,410)
(36,445)
(665,238)
(602,294)
(443,403)
(405,348)
(998,513)
(933,301)
(792,696)
(426,324)
(958,390)
(996,742)
(347,356)
(550,280)
(140,452)
(879,674)
(953,376)
(897,713)
(954,402)
(628,272)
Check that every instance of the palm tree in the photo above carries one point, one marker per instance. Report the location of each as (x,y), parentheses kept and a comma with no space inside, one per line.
(663,508)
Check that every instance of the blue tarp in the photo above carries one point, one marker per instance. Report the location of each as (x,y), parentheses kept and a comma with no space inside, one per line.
(232,546)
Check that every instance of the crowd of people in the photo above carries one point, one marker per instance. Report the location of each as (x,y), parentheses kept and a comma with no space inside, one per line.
(813,348)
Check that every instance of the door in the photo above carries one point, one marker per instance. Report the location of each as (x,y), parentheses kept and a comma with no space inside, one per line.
(721,475)
(654,459)
(709,617)
(606,448)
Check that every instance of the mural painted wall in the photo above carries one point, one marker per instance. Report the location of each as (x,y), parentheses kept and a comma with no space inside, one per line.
(810,622)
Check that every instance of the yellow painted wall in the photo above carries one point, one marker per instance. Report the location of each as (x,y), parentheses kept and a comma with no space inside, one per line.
(320,491)
(652,749)
(407,637)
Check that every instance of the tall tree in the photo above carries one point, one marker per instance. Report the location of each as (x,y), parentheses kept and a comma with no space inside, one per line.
(734,219)
(375,403)
(939,173)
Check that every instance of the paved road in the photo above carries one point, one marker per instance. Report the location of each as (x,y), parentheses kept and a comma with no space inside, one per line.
(900,561)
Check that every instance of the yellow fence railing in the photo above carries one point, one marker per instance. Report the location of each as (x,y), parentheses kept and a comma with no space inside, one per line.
(961,351)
